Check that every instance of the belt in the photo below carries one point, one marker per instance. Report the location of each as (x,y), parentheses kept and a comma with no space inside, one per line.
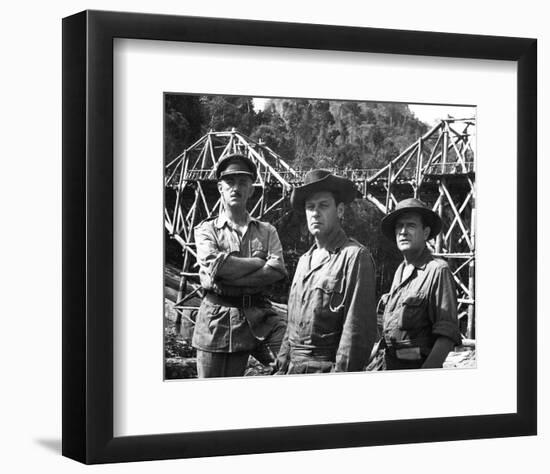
(424,341)
(316,353)
(240,301)
(410,350)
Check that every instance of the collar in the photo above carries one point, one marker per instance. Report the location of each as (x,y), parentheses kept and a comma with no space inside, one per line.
(336,240)
(422,259)
(420,264)
(223,220)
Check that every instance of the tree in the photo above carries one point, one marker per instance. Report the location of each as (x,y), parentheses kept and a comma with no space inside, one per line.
(182,123)
(226,112)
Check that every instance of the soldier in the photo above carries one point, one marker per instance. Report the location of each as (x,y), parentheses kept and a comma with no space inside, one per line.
(420,317)
(331,306)
(239,257)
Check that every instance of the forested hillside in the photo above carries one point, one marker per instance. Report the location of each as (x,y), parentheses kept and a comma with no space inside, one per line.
(306,133)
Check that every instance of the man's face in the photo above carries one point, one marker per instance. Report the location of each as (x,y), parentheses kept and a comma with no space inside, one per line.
(236,189)
(322,213)
(410,234)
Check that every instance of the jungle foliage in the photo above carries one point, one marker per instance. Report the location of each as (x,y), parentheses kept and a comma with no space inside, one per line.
(307,133)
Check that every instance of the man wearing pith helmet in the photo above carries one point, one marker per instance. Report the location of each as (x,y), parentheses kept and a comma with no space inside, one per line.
(420,317)
(331,306)
(239,257)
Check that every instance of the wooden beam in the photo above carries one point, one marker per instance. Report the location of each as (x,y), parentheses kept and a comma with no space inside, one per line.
(262,160)
(404,152)
(462,265)
(462,207)
(273,205)
(203,197)
(377,203)
(460,223)
(439,212)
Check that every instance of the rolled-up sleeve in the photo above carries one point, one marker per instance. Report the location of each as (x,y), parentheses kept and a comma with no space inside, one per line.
(445,320)
(359,330)
(275,258)
(209,256)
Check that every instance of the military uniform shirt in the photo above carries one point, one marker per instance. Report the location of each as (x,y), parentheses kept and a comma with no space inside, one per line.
(221,328)
(421,305)
(331,308)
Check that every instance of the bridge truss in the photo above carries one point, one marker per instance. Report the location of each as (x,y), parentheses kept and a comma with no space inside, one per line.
(438,168)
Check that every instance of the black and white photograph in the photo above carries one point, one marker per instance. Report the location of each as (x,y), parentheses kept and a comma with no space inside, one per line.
(314,236)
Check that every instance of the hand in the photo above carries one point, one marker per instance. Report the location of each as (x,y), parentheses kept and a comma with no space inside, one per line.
(260,254)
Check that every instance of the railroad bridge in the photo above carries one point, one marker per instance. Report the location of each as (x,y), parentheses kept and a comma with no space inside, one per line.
(439,168)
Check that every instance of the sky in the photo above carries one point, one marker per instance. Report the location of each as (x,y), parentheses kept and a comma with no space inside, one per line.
(433,113)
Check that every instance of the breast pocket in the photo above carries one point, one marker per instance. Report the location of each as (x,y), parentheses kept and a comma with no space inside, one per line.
(258,249)
(227,242)
(328,306)
(329,291)
(414,312)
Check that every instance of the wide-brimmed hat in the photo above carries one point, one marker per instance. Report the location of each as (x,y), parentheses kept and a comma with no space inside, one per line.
(235,164)
(323,180)
(429,217)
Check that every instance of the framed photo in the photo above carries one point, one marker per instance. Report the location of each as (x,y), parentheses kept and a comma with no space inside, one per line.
(120,71)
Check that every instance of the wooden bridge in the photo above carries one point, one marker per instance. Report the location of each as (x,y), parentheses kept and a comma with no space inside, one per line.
(439,168)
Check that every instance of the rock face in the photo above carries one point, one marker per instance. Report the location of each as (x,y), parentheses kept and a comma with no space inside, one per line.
(465,359)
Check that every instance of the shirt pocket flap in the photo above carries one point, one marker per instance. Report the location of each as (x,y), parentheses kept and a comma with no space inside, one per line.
(413,314)
(330,285)
(414,300)
(227,242)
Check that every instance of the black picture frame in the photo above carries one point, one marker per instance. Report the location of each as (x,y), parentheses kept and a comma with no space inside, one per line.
(88,236)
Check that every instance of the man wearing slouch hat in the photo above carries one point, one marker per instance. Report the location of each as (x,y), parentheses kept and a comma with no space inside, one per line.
(420,324)
(331,307)
(239,257)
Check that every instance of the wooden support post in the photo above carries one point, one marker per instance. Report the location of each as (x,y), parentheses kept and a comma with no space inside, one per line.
(457,214)
(190,236)
(403,166)
(471,310)
(418,177)
(276,203)
(388,195)
(262,205)
(433,154)
(438,239)
(444,149)
(383,209)
(179,191)
(255,209)
(183,282)
(470,331)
